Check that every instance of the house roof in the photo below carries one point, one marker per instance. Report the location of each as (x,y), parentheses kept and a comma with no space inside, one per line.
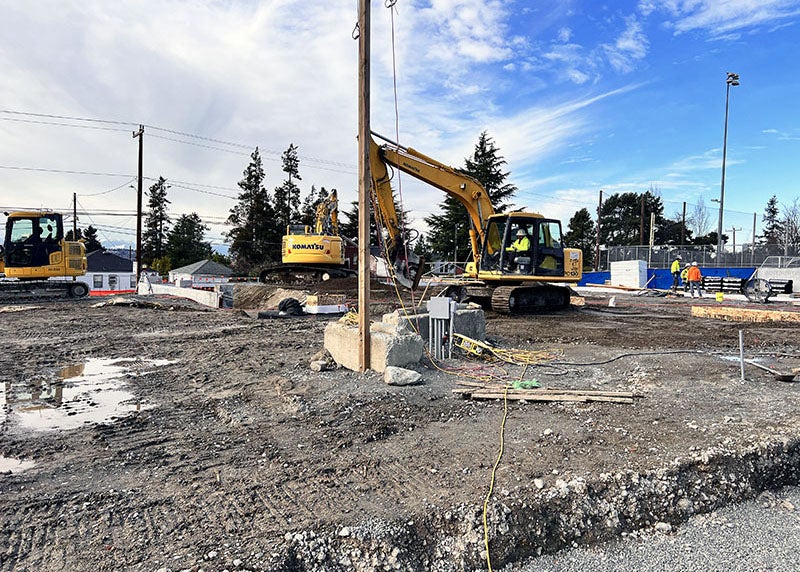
(102,261)
(204,267)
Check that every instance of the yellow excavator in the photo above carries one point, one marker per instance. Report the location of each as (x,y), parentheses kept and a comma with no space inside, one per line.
(34,251)
(313,254)
(519,264)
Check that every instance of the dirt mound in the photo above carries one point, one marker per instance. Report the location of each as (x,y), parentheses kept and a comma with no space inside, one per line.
(263,296)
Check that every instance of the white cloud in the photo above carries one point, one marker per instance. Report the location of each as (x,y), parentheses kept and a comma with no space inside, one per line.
(722,18)
(630,47)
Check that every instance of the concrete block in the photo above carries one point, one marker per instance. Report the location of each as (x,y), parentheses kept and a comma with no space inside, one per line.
(401,376)
(387,347)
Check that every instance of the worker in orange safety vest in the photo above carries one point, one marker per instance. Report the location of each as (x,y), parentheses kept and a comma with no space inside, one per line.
(695,276)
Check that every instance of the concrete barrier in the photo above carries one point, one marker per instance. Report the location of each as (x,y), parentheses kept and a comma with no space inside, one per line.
(204,297)
(388,346)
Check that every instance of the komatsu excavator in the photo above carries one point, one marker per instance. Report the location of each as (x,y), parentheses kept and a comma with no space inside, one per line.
(502,275)
(312,254)
(34,251)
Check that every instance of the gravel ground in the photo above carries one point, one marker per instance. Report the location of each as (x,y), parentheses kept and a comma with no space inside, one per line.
(756,536)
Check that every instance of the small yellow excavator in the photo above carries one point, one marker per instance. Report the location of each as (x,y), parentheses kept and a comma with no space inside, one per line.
(34,251)
(313,254)
(519,264)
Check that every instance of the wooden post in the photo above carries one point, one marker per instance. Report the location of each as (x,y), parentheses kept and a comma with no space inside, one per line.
(597,238)
(140,135)
(683,225)
(363,184)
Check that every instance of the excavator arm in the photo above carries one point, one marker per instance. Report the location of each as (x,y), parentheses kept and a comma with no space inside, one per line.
(461,187)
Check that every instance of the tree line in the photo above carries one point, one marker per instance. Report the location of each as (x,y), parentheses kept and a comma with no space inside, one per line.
(260,218)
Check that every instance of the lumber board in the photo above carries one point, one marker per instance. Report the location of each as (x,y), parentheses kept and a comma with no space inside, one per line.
(744,314)
(544,390)
(617,287)
(548,396)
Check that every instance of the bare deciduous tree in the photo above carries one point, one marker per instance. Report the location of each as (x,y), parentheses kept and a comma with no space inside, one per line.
(699,221)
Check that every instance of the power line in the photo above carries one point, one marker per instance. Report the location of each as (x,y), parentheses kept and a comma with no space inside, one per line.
(108,191)
(351,168)
(72,118)
(14,119)
(67,171)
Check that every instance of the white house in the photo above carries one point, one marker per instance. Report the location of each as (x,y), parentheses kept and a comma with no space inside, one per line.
(201,274)
(107,273)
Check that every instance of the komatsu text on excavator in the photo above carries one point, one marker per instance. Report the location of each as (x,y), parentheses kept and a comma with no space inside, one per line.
(519,264)
(34,251)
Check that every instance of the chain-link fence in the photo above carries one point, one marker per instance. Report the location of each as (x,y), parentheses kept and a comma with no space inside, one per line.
(661,256)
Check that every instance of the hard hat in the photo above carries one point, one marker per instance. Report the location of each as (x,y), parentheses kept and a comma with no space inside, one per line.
(679,257)
(520,232)
(687,265)
(694,263)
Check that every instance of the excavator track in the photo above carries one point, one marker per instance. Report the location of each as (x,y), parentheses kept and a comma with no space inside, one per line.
(527,299)
(33,290)
(302,275)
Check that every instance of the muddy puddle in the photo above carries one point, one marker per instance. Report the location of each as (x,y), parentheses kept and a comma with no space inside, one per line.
(96,391)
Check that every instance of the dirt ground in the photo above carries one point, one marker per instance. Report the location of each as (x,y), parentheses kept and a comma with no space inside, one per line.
(231,448)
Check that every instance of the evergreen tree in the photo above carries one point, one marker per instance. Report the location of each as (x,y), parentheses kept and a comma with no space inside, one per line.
(156,223)
(773,225)
(185,242)
(287,196)
(450,230)
(582,233)
(255,237)
(670,232)
(349,227)
(422,248)
(69,238)
(91,241)
(621,221)
(308,212)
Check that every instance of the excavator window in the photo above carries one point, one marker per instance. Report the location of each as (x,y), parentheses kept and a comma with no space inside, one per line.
(550,250)
(48,229)
(21,230)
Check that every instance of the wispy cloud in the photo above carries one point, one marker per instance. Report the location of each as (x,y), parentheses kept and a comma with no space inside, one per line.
(629,48)
(781,135)
(723,19)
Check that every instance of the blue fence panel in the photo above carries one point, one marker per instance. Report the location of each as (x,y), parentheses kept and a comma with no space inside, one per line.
(661,278)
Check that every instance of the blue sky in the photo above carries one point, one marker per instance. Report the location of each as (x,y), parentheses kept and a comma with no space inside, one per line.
(579,96)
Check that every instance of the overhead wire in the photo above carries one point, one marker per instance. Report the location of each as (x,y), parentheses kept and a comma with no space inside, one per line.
(34,121)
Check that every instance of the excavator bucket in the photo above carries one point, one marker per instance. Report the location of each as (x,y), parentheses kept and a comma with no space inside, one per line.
(408,271)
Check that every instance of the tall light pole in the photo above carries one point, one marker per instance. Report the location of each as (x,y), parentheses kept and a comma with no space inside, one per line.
(732,80)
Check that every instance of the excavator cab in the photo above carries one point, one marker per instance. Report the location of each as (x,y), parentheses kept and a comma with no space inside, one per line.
(523,244)
(34,247)
(31,238)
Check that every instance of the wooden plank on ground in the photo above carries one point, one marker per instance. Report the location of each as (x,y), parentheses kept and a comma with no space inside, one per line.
(744,314)
(617,287)
(545,396)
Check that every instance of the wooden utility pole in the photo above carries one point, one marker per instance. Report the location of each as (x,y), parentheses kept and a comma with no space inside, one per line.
(363,185)
(75,217)
(683,225)
(597,238)
(140,135)
(641,221)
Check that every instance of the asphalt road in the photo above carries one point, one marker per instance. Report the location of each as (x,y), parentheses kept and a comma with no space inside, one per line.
(757,536)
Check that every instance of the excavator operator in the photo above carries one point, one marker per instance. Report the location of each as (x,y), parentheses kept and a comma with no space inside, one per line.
(520,247)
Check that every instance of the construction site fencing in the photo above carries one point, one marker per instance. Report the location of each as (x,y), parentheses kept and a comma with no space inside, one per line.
(661,256)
